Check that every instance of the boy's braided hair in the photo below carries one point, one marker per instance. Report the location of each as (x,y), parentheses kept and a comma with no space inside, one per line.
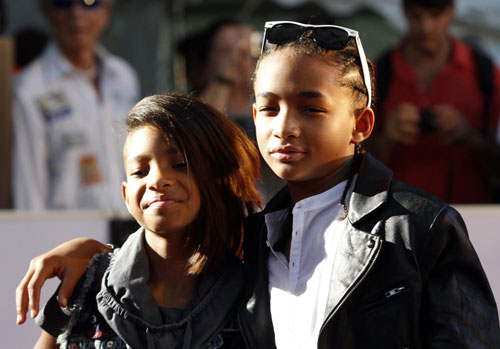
(346,61)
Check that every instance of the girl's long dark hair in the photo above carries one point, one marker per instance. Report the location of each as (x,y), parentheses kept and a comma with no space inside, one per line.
(221,159)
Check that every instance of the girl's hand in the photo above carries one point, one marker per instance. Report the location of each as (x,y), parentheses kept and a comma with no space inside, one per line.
(67,261)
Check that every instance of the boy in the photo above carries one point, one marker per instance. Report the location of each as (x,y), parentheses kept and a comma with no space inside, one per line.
(393,269)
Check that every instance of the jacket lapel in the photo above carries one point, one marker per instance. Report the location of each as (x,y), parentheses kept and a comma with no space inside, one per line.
(359,244)
(356,253)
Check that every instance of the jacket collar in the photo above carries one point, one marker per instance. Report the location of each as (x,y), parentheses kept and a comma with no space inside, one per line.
(128,306)
(279,201)
(371,190)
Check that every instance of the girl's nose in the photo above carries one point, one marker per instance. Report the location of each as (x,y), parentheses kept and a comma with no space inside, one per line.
(160,178)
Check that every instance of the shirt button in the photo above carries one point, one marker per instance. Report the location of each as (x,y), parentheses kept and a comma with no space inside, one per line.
(371,243)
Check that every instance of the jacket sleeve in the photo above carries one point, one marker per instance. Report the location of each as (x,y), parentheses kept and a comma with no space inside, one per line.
(30,173)
(458,307)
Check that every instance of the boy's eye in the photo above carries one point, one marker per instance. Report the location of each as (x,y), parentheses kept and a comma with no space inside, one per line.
(312,110)
(267,110)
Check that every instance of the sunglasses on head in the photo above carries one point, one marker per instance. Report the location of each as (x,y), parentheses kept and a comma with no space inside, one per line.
(68,4)
(330,37)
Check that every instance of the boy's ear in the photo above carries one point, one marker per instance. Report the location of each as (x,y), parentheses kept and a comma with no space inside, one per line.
(254,111)
(365,119)
(124,194)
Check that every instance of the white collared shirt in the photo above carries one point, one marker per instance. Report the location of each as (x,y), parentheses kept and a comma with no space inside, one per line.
(299,288)
(68,139)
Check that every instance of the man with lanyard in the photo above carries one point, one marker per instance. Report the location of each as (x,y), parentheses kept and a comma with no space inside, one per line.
(69,105)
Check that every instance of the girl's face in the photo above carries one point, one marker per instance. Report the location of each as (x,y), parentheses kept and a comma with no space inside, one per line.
(159,191)
(303,117)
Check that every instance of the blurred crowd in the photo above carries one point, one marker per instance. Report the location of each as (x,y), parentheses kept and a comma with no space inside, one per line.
(437,106)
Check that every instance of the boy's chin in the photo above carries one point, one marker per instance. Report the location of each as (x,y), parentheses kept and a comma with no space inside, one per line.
(290,175)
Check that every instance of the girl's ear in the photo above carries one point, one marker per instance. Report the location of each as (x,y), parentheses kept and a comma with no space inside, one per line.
(365,119)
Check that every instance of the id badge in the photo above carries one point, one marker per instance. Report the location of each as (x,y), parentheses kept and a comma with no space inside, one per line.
(89,170)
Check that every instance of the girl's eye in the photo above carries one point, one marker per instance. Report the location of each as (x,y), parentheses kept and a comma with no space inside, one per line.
(139,173)
(179,165)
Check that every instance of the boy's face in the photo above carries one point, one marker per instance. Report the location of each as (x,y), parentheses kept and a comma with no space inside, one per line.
(303,117)
(159,192)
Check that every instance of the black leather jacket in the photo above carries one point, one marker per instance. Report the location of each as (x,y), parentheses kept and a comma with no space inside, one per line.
(406,275)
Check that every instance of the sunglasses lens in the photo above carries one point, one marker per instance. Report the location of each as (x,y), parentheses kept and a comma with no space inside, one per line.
(62,4)
(328,37)
(331,38)
(283,33)
(68,4)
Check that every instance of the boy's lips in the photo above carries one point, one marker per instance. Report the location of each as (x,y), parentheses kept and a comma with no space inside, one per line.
(287,153)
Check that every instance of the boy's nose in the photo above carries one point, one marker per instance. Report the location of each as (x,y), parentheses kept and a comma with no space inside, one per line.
(286,125)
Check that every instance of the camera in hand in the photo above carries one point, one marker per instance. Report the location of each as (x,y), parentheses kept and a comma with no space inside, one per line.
(427,121)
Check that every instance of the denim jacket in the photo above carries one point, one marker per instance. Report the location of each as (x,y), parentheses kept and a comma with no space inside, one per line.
(112,307)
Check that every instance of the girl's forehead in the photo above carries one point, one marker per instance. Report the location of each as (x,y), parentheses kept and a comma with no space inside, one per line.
(150,132)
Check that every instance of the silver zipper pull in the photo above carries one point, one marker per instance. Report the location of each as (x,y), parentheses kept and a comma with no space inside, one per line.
(394,291)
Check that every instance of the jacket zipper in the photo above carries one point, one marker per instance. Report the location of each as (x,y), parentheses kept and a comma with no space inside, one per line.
(244,333)
(355,285)
(384,297)
(394,291)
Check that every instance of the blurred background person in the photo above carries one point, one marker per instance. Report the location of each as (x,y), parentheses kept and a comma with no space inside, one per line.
(219,64)
(69,107)
(436,118)
(219,61)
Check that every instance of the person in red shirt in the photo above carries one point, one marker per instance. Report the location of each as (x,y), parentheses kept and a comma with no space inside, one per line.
(433,130)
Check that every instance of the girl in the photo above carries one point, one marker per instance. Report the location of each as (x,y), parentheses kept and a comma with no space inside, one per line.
(175,283)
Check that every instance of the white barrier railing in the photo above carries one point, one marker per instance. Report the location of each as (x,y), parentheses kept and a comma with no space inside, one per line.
(25,235)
